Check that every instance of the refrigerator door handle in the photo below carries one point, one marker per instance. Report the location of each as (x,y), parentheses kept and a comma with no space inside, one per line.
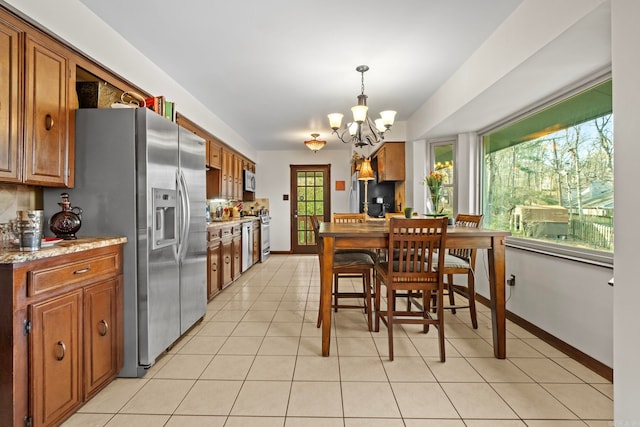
(185,215)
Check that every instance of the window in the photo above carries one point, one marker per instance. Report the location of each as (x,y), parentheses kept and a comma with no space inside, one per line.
(548,178)
(443,155)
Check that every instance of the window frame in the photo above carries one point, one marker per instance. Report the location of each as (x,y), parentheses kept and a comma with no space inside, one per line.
(432,167)
(584,255)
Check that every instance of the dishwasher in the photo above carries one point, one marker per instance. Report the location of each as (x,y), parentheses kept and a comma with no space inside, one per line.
(247,245)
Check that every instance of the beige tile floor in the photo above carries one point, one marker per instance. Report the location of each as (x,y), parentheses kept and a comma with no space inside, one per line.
(255,361)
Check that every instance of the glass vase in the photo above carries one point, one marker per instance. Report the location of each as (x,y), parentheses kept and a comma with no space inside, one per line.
(436,205)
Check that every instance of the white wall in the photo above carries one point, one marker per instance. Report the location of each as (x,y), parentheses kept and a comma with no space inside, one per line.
(568,299)
(626,109)
(272,178)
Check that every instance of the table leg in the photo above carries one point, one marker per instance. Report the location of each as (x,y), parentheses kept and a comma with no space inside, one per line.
(325,292)
(496,255)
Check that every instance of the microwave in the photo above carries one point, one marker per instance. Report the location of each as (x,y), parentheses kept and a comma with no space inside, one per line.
(249,180)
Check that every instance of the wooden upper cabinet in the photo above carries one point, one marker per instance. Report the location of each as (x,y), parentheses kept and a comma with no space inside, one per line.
(10,69)
(215,154)
(36,144)
(390,160)
(224,166)
(46,140)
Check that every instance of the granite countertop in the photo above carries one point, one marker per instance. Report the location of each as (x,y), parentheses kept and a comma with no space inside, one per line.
(236,220)
(14,256)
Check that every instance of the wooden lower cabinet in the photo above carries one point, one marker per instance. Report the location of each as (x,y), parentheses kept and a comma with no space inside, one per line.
(214,285)
(101,317)
(54,358)
(61,338)
(237,251)
(224,256)
(226,253)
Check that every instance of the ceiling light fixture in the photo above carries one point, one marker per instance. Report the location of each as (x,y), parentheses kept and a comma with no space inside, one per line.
(362,130)
(315,144)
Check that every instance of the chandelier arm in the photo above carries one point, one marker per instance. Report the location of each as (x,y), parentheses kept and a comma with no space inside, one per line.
(377,136)
(341,134)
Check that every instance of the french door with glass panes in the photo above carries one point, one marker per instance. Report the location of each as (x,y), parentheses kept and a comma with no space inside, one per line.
(310,195)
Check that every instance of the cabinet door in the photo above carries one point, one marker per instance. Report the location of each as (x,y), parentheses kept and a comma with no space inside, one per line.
(54,360)
(46,142)
(214,284)
(215,154)
(226,167)
(390,159)
(100,334)
(237,256)
(227,262)
(237,189)
(10,142)
(256,242)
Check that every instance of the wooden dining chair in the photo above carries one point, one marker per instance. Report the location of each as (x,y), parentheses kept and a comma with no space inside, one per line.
(462,261)
(347,264)
(389,215)
(349,218)
(419,243)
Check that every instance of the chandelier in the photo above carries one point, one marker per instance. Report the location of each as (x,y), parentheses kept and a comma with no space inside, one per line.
(315,144)
(362,131)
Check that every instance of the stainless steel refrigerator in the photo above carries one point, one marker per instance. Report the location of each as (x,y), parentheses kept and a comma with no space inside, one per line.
(141,176)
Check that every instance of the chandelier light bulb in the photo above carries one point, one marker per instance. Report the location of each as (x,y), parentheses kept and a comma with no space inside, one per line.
(359,113)
(388,117)
(335,120)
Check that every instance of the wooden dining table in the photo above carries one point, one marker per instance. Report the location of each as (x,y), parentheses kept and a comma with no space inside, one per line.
(375,235)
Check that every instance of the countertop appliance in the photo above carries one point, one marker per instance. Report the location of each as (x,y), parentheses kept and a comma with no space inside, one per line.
(249,180)
(141,176)
(247,245)
(265,238)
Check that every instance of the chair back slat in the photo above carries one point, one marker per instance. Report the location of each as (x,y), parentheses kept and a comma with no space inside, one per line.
(416,241)
(471,221)
(349,217)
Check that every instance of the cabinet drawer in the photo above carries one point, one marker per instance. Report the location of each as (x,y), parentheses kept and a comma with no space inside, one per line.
(226,231)
(215,233)
(84,271)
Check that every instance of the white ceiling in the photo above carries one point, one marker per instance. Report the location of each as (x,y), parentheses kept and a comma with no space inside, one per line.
(272,70)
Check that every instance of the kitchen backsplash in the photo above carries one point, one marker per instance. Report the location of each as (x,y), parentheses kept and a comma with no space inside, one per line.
(15,197)
(256,204)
